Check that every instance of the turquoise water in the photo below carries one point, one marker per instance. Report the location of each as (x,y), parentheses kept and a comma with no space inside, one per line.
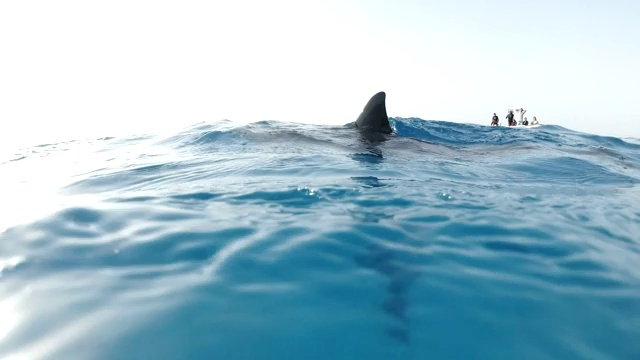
(289,241)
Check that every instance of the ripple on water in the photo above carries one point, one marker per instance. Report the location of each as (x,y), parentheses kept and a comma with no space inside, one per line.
(297,241)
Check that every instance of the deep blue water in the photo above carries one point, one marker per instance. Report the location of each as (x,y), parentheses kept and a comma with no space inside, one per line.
(288,241)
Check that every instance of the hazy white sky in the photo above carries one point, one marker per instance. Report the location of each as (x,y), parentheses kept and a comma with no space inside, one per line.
(97,68)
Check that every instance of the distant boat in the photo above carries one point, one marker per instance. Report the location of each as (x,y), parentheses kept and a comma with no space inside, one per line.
(525,126)
(519,126)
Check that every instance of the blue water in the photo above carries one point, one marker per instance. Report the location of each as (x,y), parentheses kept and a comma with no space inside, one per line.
(288,241)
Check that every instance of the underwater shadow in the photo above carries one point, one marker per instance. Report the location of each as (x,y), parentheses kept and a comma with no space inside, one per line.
(370,142)
(400,278)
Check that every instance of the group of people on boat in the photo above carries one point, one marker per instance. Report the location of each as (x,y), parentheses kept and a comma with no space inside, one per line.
(511,119)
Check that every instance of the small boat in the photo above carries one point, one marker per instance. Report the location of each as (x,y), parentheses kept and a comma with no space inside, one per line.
(525,126)
(519,126)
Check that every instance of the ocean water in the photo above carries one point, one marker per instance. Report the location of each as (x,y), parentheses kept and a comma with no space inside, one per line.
(288,241)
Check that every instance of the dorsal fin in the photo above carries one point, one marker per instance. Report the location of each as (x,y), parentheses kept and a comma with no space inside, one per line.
(374,115)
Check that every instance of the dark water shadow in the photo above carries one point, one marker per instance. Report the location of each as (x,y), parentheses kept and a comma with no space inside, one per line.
(371,151)
(400,277)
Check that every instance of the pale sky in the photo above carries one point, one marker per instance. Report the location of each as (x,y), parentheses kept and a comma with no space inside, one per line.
(99,68)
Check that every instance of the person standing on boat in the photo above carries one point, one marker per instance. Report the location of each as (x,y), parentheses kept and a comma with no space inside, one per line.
(521,111)
(510,119)
(494,120)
